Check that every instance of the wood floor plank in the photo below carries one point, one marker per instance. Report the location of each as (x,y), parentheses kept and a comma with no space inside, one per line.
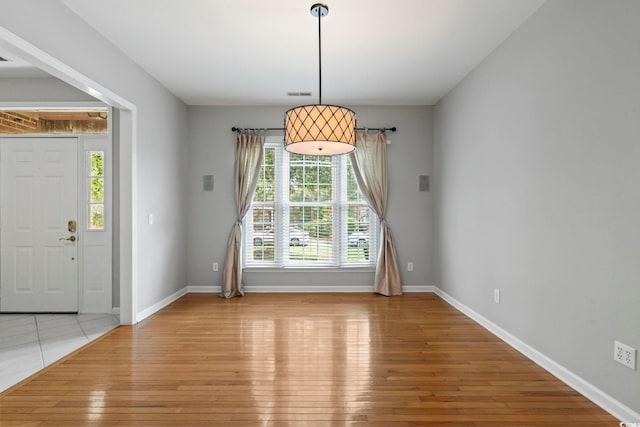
(299,360)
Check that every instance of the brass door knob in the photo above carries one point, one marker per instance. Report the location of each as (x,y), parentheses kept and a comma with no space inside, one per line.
(70,238)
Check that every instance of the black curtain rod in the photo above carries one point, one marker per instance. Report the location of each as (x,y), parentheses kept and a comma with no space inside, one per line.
(238,129)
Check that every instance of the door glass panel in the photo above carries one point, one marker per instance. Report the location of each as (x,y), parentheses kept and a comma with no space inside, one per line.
(96,217)
(96,190)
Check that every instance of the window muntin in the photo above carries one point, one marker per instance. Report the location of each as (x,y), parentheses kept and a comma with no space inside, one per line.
(308,211)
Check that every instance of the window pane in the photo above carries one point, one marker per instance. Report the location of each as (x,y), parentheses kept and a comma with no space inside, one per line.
(268,184)
(263,245)
(296,192)
(310,193)
(96,192)
(353,191)
(358,233)
(359,218)
(297,216)
(263,217)
(325,222)
(325,193)
(317,220)
(96,217)
(96,159)
(296,183)
(265,189)
(310,234)
(311,174)
(263,236)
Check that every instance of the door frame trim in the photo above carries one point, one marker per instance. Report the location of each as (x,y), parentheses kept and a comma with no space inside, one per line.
(127,139)
(82,183)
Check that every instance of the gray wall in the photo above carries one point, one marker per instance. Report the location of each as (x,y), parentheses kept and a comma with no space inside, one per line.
(161,157)
(538,172)
(211,215)
(40,90)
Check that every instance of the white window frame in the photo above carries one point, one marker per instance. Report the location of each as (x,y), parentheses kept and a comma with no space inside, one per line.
(339,242)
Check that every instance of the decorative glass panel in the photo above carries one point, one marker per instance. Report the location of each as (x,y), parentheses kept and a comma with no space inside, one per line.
(96,217)
(96,167)
(96,190)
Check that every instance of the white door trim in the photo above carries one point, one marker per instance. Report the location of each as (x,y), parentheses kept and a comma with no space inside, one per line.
(128,146)
(96,278)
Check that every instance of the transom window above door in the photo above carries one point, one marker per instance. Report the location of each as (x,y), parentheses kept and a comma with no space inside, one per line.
(54,121)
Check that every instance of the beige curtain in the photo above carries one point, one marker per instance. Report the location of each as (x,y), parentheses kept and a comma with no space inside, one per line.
(248,162)
(369,161)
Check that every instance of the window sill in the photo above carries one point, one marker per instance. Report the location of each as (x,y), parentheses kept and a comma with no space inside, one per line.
(328,269)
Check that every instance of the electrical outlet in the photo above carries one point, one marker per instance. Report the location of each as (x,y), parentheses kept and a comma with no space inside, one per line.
(624,355)
(409,266)
(496,296)
(214,266)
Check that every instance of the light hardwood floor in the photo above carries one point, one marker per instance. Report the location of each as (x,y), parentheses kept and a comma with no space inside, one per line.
(299,360)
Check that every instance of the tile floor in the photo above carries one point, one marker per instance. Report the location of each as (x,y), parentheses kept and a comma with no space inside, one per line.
(29,342)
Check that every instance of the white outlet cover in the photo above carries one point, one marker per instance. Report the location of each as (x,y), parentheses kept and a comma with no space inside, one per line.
(624,355)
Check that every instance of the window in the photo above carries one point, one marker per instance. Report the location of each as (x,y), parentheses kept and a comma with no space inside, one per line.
(54,121)
(308,211)
(96,190)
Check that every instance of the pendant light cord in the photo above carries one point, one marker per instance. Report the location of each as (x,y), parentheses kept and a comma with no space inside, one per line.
(319,55)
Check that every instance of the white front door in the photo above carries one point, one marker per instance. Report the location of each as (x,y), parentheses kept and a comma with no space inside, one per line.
(39,248)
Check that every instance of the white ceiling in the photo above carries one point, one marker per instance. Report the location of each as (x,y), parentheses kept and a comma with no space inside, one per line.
(252,52)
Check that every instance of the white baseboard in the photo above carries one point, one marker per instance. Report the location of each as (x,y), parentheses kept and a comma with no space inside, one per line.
(286,288)
(597,396)
(203,289)
(307,288)
(418,288)
(141,315)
